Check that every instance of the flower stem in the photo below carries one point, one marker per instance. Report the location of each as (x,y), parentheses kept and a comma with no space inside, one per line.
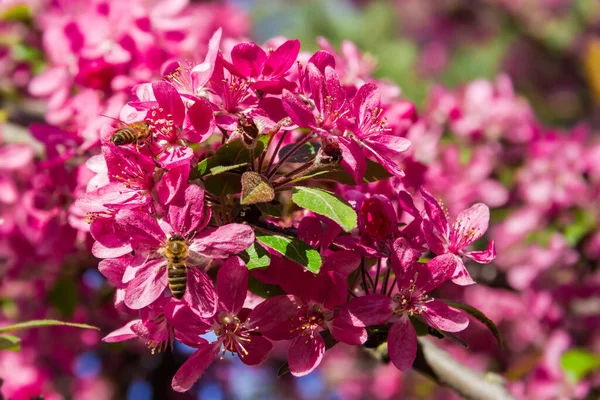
(386,279)
(283,159)
(377,275)
(363,274)
(274,154)
(305,168)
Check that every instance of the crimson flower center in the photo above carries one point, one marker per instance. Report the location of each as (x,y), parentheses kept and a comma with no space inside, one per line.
(308,320)
(232,334)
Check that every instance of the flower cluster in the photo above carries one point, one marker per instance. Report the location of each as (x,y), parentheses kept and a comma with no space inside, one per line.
(542,185)
(208,187)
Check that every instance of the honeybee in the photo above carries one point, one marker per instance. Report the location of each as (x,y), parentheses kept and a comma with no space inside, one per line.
(131,133)
(176,252)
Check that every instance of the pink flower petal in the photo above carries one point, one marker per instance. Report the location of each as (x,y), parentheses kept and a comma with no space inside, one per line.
(248,59)
(394,144)
(366,99)
(343,262)
(435,212)
(402,344)
(300,114)
(435,243)
(439,315)
(310,231)
(147,286)
(386,162)
(113,270)
(224,241)
(484,256)
(440,269)
(353,159)
(282,59)
(201,73)
(272,317)
(200,293)
(305,354)
(461,275)
(202,121)
(369,310)
(188,215)
(322,59)
(169,100)
(141,226)
(194,367)
(346,333)
(258,349)
(123,333)
(469,226)
(404,257)
(186,321)
(232,284)
(171,184)
(101,251)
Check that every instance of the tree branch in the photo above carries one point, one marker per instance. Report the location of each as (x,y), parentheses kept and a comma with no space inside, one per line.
(442,368)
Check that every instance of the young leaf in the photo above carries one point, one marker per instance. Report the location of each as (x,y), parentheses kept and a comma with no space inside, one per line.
(224,168)
(231,153)
(294,249)
(577,363)
(327,204)
(303,154)
(256,189)
(264,290)
(274,210)
(479,316)
(40,323)
(10,343)
(256,256)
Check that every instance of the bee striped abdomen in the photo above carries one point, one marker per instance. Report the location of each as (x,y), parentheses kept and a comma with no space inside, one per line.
(131,133)
(176,252)
(124,136)
(177,276)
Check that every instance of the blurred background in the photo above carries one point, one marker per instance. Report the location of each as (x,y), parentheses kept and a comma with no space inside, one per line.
(508,93)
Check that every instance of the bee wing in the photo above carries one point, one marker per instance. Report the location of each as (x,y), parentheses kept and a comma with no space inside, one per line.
(198,259)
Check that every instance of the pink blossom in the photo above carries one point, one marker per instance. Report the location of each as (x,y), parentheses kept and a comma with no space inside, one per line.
(237,328)
(414,280)
(469,226)
(148,280)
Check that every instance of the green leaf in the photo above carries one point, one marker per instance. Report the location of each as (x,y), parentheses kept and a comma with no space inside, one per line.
(479,316)
(584,222)
(305,153)
(256,189)
(40,323)
(224,168)
(223,184)
(294,249)
(327,204)
(578,363)
(230,154)
(19,12)
(23,52)
(64,296)
(264,290)
(274,210)
(256,256)
(10,343)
